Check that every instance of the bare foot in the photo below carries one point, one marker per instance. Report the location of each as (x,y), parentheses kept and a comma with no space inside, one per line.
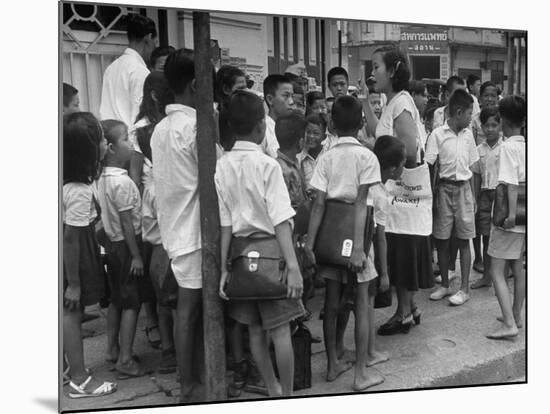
(347,355)
(519,322)
(371,379)
(377,358)
(504,332)
(188,393)
(481,283)
(338,370)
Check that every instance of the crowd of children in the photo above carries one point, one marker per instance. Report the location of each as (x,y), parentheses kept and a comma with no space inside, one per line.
(130,183)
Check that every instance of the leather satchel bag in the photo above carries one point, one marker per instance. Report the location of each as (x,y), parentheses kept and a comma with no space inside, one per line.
(334,242)
(256,269)
(500,205)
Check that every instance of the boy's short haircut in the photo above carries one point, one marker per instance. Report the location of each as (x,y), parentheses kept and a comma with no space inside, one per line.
(226,77)
(417,87)
(487,113)
(179,70)
(159,52)
(471,79)
(347,113)
(486,85)
(69,91)
(272,82)
(289,129)
(313,96)
(138,26)
(390,151)
(452,81)
(108,125)
(512,108)
(317,119)
(244,112)
(337,70)
(460,99)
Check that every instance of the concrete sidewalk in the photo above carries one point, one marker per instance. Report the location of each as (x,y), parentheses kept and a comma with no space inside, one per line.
(448,348)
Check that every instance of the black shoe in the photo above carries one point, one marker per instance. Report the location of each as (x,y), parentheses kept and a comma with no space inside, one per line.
(395,327)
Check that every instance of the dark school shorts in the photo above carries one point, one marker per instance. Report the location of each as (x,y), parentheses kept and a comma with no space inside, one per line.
(127,291)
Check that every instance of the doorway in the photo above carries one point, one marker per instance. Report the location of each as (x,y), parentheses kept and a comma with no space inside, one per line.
(425,67)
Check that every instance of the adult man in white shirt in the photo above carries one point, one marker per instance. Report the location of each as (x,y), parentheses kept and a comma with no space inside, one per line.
(123,79)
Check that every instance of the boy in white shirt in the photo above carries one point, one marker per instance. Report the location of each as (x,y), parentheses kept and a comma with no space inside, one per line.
(452,146)
(279,97)
(254,202)
(174,149)
(346,172)
(508,243)
(442,113)
(120,203)
(486,180)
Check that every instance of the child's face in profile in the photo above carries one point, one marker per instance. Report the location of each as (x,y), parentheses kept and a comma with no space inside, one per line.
(491,129)
(464,117)
(381,75)
(314,136)
(74,105)
(489,98)
(122,147)
(282,103)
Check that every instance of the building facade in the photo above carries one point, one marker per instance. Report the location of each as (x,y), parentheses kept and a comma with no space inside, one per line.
(93,36)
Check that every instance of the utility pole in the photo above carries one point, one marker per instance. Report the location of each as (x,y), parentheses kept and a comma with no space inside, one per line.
(510,82)
(339,26)
(214,337)
(518,66)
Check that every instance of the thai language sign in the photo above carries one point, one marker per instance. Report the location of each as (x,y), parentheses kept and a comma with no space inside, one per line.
(425,41)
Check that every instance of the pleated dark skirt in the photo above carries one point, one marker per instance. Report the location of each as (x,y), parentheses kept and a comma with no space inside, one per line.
(92,282)
(410,261)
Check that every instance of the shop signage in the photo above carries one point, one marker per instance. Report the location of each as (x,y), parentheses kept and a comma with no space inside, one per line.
(425,41)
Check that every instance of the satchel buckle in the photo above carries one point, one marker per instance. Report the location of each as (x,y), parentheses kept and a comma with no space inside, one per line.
(347,247)
(253,259)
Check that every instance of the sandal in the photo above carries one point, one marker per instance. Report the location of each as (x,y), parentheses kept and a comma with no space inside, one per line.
(155,343)
(79,391)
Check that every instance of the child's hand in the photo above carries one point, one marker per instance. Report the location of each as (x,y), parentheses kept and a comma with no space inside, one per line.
(136,268)
(71,299)
(309,254)
(509,222)
(384,283)
(295,284)
(223,281)
(357,261)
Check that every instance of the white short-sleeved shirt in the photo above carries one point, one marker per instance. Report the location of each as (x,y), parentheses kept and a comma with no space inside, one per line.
(174,149)
(340,171)
(132,137)
(269,144)
(476,109)
(487,166)
(78,204)
(378,198)
(150,225)
(122,89)
(252,194)
(118,193)
(511,168)
(439,117)
(329,142)
(402,101)
(457,153)
(307,165)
